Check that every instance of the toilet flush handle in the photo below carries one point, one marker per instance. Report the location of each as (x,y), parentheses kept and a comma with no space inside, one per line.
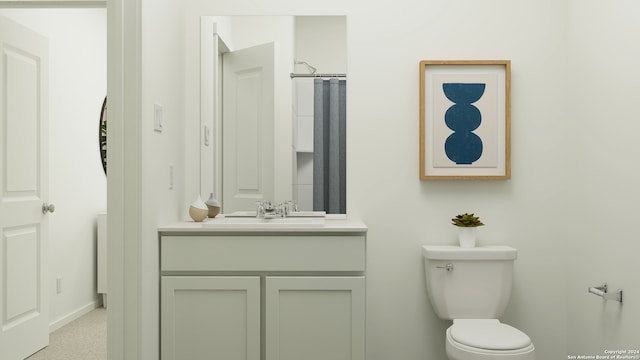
(448,267)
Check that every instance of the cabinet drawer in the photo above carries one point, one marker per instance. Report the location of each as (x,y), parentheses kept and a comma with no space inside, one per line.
(262,253)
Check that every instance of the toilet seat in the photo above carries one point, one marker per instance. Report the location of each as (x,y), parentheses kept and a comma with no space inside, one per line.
(488,334)
(487,339)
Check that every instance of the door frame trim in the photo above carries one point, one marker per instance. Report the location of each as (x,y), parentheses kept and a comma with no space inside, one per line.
(124,185)
(23,4)
(212,46)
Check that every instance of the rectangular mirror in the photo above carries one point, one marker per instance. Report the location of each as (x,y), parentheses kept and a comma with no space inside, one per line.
(273,111)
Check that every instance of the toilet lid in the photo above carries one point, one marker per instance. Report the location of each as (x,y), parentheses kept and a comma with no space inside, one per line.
(488,334)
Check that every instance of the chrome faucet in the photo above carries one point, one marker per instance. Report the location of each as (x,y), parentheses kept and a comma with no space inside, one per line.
(286,207)
(267,209)
(263,208)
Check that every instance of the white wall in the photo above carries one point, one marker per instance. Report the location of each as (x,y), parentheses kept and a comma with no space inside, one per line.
(556,53)
(77,45)
(321,41)
(385,42)
(403,212)
(163,75)
(604,85)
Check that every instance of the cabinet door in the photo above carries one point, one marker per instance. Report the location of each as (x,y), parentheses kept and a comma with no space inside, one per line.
(315,318)
(210,317)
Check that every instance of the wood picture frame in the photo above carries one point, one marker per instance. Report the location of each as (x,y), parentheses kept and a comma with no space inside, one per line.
(465,121)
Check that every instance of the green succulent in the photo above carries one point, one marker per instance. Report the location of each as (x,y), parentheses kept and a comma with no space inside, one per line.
(466,220)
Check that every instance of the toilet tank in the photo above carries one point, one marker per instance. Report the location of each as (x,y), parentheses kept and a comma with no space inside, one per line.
(477,284)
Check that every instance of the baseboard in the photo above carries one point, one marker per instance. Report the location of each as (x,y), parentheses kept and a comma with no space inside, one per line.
(72,316)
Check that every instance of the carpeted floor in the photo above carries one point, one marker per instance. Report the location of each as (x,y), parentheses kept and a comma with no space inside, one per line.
(82,339)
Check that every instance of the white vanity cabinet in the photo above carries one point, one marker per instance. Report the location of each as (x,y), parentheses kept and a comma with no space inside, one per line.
(263,294)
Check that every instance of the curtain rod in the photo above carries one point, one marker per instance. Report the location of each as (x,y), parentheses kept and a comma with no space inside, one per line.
(293,75)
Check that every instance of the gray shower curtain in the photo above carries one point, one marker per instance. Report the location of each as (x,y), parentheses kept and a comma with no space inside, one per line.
(329,146)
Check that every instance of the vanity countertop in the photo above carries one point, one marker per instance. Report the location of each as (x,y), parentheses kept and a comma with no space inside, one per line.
(252,225)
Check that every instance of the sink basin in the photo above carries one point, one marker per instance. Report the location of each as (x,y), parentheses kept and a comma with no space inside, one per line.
(319,214)
(252,222)
(252,214)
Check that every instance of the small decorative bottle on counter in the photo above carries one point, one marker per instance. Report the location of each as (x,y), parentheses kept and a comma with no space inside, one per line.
(198,210)
(213,205)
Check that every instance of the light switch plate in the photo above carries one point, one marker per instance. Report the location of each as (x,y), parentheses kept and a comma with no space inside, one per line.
(157,117)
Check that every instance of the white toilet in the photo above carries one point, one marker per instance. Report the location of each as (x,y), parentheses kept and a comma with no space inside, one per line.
(472,286)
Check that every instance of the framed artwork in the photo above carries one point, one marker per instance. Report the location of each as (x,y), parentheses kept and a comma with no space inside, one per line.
(465,119)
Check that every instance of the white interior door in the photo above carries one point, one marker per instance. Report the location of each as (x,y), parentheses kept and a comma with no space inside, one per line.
(24,318)
(248,127)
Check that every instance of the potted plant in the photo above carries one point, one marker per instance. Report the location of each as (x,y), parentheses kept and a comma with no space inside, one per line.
(468,225)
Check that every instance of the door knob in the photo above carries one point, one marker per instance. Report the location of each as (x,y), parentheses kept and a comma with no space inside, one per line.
(48,208)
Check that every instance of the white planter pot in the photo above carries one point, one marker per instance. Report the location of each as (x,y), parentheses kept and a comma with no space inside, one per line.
(467,236)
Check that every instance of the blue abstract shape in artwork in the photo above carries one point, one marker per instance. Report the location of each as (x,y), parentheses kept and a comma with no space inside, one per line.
(463,146)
